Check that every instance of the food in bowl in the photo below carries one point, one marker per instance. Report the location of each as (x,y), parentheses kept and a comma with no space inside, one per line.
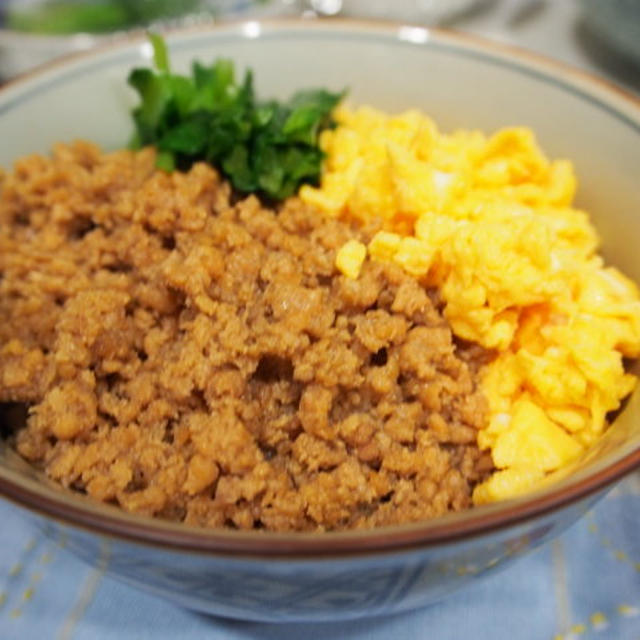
(206,362)
(202,358)
(489,222)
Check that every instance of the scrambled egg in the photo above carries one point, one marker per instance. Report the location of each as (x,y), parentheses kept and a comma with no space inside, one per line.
(490,222)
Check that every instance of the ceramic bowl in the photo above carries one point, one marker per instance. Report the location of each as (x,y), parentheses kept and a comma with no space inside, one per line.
(461,82)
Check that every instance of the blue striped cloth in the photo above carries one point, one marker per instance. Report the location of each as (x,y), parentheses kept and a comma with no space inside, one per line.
(582,586)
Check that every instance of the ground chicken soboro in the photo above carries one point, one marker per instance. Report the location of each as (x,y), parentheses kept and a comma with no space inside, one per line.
(203,361)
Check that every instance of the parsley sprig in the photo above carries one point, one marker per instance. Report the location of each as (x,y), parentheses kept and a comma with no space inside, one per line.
(268,147)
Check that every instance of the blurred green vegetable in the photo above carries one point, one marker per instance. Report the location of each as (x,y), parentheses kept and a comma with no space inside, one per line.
(98,16)
(267,147)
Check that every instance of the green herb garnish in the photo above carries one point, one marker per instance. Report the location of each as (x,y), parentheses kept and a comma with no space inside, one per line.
(267,147)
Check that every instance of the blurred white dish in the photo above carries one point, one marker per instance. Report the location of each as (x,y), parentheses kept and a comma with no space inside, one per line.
(423,11)
(21,51)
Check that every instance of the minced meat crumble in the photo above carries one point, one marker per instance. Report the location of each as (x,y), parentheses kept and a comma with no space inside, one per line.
(197,358)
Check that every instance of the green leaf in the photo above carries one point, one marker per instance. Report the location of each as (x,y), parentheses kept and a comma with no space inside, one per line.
(183,92)
(216,88)
(309,112)
(236,166)
(160,54)
(268,147)
(188,137)
(165,160)
(224,134)
(269,169)
(156,94)
(321,98)
(262,116)
(303,164)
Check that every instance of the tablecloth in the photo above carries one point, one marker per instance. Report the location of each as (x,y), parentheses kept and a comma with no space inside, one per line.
(584,585)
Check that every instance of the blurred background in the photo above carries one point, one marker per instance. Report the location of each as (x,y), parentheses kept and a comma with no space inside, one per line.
(602,36)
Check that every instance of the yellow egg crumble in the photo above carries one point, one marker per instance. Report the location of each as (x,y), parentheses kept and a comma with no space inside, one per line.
(490,222)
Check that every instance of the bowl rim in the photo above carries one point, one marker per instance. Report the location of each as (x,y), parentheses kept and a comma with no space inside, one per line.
(478,521)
